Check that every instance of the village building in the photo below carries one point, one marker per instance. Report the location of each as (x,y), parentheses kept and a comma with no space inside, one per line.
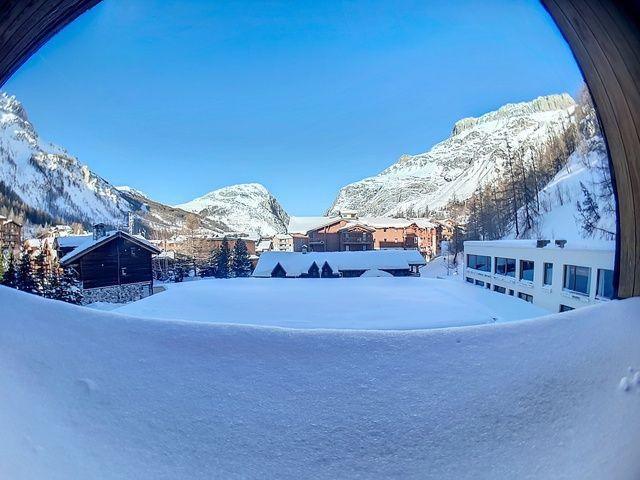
(397,263)
(264,245)
(555,275)
(112,266)
(350,232)
(282,242)
(10,236)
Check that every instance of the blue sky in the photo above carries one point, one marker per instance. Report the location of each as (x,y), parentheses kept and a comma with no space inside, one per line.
(178,98)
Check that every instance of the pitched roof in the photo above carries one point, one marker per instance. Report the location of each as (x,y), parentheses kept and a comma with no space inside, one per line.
(72,241)
(297,263)
(92,244)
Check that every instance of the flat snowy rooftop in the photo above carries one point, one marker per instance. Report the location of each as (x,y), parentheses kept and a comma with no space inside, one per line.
(397,303)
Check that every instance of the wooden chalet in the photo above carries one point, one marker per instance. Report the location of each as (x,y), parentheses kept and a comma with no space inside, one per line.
(114,260)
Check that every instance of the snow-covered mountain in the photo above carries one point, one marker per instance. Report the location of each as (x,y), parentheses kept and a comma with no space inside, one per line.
(45,184)
(473,155)
(587,169)
(45,178)
(247,207)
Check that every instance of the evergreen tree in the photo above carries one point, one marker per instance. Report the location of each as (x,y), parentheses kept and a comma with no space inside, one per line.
(10,277)
(222,260)
(26,280)
(1,266)
(209,267)
(69,288)
(41,273)
(241,265)
(53,287)
(589,215)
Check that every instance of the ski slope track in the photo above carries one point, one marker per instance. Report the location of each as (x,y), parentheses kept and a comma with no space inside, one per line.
(89,394)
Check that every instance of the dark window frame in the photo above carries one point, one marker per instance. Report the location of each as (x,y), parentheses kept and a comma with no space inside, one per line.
(572,276)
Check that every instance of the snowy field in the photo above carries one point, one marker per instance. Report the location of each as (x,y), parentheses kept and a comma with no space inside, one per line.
(96,395)
(400,303)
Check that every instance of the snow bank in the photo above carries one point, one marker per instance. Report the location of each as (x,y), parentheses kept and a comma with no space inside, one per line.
(89,394)
(397,303)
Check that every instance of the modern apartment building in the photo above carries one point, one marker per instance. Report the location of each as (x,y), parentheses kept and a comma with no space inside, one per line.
(555,275)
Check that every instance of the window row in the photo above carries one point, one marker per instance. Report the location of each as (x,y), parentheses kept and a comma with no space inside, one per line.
(576,278)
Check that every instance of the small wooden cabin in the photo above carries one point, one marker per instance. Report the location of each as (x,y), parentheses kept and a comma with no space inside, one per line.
(113,259)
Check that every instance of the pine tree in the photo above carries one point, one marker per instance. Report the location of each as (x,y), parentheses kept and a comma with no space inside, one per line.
(589,215)
(41,273)
(26,280)
(241,265)
(222,260)
(1,266)
(69,290)
(10,277)
(54,287)
(209,268)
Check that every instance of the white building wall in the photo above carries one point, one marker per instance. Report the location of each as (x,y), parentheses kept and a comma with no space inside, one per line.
(548,297)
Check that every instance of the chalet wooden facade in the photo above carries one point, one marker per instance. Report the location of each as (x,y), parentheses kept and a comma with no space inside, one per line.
(115,267)
(10,236)
(341,236)
(373,233)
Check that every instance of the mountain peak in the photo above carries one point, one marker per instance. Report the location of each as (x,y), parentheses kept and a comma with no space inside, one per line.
(546,103)
(246,207)
(473,155)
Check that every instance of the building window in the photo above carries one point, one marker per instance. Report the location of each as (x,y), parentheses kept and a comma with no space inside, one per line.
(479,262)
(605,283)
(548,274)
(576,279)
(511,292)
(526,297)
(499,289)
(488,285)
(506,266)
(565,308)
(526,270)
(469,279)
(480,283)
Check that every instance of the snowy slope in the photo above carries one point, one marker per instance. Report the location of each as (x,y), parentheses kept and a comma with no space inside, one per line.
(89,394)
(473,155)
(247,207)
(45,177)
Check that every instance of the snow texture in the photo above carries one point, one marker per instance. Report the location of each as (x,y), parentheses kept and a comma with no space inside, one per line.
(89,394)
(398,303)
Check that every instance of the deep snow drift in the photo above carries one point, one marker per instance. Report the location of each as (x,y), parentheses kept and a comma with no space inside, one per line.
(366,303)
(89,394)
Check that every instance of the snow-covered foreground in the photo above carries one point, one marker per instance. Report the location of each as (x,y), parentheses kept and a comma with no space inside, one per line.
(356,303)
(90,394)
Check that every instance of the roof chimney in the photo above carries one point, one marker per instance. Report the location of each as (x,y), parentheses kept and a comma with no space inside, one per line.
(561,243)
(304,249)
(99,231)
(542,243)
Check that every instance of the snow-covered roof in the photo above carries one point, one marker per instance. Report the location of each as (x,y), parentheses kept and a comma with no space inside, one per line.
(585,244)
(297,263)
(72,241)
(282,236)
(263,245)
(33,243)
(304,224)
(356,223)
(92,243)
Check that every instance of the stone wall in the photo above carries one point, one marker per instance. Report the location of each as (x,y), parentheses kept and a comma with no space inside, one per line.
(117,293)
